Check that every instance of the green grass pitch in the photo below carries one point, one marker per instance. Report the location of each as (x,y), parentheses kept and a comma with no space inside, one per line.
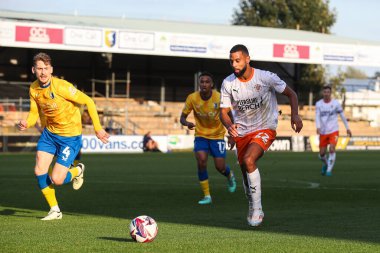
(304,212)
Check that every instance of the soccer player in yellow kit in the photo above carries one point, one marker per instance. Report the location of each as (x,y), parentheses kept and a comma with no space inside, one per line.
(57,99)
(209,133)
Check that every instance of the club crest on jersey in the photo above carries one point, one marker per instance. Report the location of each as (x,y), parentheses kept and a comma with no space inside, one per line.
(51,95)
(257,87)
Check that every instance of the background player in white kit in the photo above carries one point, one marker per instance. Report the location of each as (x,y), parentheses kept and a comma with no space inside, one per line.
(252,95)
(327,110)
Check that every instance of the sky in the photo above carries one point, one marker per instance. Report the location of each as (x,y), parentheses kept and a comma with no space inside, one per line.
(355,18)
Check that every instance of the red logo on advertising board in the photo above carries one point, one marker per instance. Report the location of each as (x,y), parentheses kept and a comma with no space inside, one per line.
(291,51)
(38,34)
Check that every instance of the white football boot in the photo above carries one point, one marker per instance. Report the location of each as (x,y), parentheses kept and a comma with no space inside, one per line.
(79,180)
(53,215)
(257,217)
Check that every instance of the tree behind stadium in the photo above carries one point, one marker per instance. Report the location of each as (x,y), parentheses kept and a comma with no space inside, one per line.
(308,15)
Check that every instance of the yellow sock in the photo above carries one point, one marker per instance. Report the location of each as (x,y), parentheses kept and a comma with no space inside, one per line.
(205,187)
(49,194)
(74,172)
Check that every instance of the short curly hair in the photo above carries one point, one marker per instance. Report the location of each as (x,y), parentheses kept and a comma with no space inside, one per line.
(45,58)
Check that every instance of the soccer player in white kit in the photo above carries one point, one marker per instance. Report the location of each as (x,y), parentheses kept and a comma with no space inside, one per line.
(326,119)
(251,93)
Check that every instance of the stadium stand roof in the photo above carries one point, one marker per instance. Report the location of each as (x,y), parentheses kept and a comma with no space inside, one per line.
(183,27)
(157,52)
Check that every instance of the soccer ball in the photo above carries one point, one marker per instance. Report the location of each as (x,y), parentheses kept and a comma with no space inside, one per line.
(143,229)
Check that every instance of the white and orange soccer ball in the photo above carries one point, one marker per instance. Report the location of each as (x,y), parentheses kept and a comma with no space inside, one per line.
(143,229)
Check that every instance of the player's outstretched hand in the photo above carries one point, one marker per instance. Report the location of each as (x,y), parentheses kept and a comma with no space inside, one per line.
(22,125)
(102,136)
(349,133)
(296,122)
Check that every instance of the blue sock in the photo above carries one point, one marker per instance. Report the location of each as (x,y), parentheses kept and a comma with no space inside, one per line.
(202,175)
(43,181)
(228,171)
(68,178)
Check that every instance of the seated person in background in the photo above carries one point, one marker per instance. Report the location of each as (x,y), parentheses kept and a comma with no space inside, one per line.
(149,144)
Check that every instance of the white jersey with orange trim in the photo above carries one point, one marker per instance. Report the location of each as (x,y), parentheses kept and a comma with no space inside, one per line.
(254,101)
(327,116)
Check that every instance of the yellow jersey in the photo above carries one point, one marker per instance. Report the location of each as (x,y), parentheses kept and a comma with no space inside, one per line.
(58,102)
(206,114)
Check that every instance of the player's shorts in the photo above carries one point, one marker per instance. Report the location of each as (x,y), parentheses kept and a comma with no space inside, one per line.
(217,148)
(263,137)
(64,148)
(326,139)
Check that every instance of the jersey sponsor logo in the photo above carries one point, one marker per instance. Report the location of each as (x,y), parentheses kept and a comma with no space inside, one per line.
(327,113)
(49,106)
(205,115)
(250,104)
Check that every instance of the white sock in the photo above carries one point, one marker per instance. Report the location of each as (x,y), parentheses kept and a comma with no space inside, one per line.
(254,182)
(331,161)
(55,208)
(323,159)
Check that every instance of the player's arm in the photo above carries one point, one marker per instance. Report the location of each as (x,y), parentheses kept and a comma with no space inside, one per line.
(225,115)
(185,112)
(32,116)
(231,141)
(91,107)
(296,120)
(318,119)
(228,122)
(230,114)
(184,122)
(69,92)
(341,114)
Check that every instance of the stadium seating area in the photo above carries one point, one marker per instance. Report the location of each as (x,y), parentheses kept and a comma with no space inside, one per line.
(135,116)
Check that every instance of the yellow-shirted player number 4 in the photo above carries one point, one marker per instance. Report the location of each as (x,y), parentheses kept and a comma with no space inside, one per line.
(57,101)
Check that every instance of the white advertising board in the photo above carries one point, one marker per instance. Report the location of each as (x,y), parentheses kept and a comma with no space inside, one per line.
(113,40)
(120,144)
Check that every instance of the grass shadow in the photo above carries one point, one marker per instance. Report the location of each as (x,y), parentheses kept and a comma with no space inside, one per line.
(117,239)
